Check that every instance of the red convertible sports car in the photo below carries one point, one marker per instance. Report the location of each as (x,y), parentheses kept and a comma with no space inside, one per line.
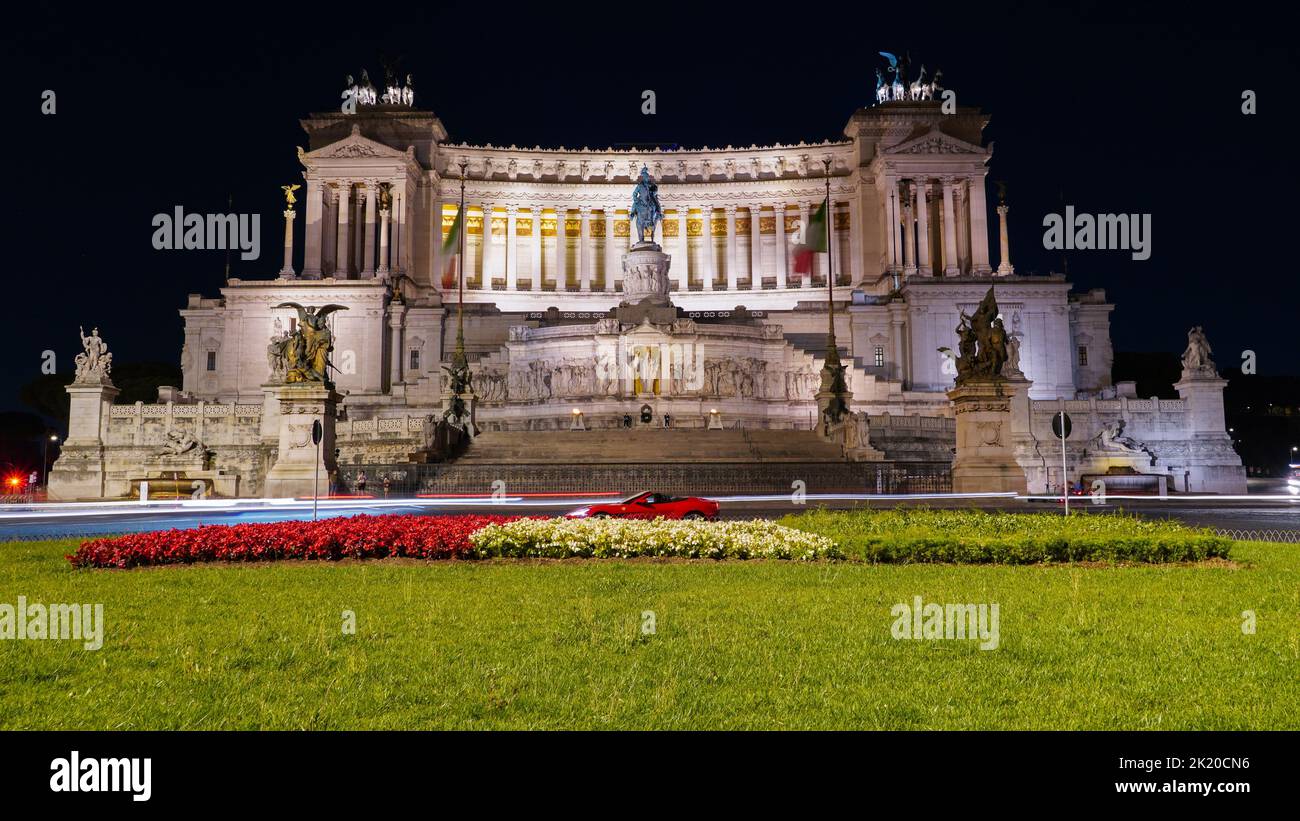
(651,506)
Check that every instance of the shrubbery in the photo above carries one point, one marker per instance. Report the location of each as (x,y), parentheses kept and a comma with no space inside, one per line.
(893,536)
(978,537)
(627,538)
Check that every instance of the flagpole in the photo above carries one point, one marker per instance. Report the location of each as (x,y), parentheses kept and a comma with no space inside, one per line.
(458,360)
(830,265)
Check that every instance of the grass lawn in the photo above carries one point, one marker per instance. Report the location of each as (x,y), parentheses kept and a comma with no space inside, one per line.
(759,644)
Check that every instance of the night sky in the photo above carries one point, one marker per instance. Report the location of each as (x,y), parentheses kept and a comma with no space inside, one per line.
(1106,109)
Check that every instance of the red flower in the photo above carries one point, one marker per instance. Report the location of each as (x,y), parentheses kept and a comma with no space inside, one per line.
(358,537)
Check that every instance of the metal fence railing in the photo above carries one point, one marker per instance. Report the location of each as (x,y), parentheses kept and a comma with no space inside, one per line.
(701,479)
(1283,536)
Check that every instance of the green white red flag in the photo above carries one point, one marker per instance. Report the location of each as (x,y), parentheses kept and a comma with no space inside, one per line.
(451,249)
(814,242)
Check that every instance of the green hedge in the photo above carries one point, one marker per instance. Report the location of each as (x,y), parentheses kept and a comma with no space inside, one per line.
(917,535)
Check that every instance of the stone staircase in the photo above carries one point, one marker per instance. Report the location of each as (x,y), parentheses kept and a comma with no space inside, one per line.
(639,446)
(815,346)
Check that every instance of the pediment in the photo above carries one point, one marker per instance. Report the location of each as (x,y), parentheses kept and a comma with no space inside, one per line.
(355,146)
(935,141)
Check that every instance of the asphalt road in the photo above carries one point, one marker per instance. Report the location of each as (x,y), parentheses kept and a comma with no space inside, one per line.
(1255,513)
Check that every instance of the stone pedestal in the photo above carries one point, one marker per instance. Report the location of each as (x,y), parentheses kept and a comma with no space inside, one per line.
(469,422)
(1211,464)
(298,460)
(79,471)
(645,286)
(985,460)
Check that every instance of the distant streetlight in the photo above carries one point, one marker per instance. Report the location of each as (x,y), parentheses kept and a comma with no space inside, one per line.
(44,459)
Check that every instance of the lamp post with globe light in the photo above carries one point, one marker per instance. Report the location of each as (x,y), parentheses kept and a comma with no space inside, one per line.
(45,458)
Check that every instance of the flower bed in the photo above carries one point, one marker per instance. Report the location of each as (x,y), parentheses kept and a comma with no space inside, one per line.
(628,538)
(359,537)
(907,535)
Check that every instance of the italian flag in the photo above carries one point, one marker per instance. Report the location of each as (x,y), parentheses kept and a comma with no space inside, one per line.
(451,249)
(814,242)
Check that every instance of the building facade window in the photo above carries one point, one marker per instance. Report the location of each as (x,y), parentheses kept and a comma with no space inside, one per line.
(1083,356)
(415,360)
(879,356)
(212,360)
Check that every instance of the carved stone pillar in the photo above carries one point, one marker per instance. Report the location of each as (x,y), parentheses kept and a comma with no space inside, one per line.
(584,249)
(512,248)
(909,229)
(782,257)
(287,271)
(558,252)
(368,264)
(731,246)
(1005,267)
(313,230)
(342,253)
(707,254)
(979,227)
(358,234)
(383,270)
(923,228)
(963,227)
(396,319)
(950,266)
(487,261)
(536,248)
(755,248)
(681,262)
(804,209)
(612,261)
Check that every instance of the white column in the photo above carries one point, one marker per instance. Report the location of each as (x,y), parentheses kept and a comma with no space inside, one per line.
(359,235)
(287,270)
(895,254)
(401,236)
(329,230)
(485,251)
(963,227)
(612,264)
(584,249)
(313,230)
(384,215)
(368,264)
(433,229)
(731,248)
(561,277)
(343,249)
(923,228)
(950,266)
(804,216)
(855,235)
(395,330)
(979,227)
(406,236)
(782,262)
(909,230)
(755,248)
(512,249)
(537,247)
(680,266)
(1005,268)
(709,258)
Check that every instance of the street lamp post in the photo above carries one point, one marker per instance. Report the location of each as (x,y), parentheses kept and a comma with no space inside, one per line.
(834,389)
(45,459)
